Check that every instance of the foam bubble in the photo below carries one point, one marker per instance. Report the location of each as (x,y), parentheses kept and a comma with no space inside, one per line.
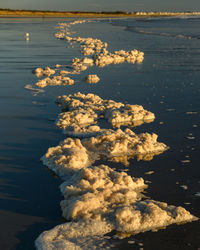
(92,79)
(73,154)
(56,80)
(81,235)
(116,143)
(95,191)
(46,71)
(88,109)
(67,157)
(112,200)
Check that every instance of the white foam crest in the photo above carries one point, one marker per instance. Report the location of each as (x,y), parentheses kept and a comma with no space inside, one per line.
(81,235)
(102,57)
(73,154)
(112,200)
(86,100)
(89,46)
(82,64)
(117,143)
(68,157)
(103,194)
(149,215)
(56,80)
(88,109)
(94,192)
(46,71)
(105,58)
(92,78)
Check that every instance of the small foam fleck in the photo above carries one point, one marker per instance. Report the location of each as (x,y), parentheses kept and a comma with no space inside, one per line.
(131,242)
(184,187)
(185,161)
(190,137)
(187,203)
(149,172)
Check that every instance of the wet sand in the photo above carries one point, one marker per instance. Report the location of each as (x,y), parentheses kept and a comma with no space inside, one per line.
(23,143)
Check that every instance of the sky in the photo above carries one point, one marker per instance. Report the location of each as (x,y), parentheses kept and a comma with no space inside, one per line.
(103,5)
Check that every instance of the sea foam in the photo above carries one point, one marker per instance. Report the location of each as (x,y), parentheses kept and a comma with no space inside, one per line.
(99,199)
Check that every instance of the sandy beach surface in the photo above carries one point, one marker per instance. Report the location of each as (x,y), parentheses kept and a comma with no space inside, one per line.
(88,14)
(165,82)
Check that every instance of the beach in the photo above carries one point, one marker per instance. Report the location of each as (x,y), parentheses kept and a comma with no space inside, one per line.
(166,83)
(90,14)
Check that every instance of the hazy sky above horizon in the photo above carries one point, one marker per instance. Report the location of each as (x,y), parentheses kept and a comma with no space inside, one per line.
(103,5)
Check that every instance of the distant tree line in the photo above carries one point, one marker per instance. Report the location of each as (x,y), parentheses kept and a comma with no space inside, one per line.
(101,12)
(73,12)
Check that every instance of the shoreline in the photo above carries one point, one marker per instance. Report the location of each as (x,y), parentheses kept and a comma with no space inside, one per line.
(44,14)
(165,84)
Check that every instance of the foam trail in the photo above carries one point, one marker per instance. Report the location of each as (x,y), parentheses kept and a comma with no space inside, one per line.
(98,199)
(85,111)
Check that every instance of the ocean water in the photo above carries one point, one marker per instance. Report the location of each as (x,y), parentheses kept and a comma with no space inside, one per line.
(166,83)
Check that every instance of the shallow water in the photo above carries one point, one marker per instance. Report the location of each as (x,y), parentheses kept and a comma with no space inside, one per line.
(166,83)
